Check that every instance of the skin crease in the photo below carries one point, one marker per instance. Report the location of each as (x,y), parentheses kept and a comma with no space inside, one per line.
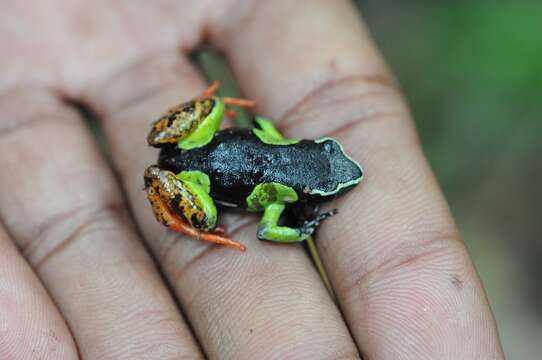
(405,285)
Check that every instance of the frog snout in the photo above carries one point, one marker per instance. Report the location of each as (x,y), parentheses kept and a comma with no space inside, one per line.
(342,166)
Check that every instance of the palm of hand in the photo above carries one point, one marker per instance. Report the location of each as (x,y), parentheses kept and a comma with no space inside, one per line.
(395,261)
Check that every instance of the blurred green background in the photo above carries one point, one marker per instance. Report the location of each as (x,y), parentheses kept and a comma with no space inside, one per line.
(472,73)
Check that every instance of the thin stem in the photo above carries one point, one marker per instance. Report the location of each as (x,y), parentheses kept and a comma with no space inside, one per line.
(320,267)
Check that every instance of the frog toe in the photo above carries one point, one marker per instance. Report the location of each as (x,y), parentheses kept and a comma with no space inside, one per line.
(317,220)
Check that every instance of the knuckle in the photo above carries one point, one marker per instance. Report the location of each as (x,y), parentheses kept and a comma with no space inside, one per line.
(41,106)
(340,105)
(445,257)
(162,75)
(58,234)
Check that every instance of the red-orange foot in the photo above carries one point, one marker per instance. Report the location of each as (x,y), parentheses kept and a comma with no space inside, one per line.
(239,102)
(211,90)
(219,230)
(165,216)
(232,114)
(182,227)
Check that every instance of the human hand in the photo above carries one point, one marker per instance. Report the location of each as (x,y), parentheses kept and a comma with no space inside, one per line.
(84,284)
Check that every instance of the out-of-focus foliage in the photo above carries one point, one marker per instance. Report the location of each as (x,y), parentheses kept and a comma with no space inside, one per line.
(472,72)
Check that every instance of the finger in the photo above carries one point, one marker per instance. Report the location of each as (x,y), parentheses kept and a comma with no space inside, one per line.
(403,278)
(28,315)
(267,301)
(61,204)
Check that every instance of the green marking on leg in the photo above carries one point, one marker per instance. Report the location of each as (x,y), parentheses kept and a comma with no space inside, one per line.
(270,230)
(206,130)
(199,184)
(269,193)
(271,198)
(196,177)
(269,134)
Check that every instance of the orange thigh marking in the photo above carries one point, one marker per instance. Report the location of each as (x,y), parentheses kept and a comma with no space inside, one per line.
(166,217)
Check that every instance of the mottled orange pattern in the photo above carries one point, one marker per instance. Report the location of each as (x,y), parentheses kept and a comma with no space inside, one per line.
(175,206)
(177,197)
(179,121)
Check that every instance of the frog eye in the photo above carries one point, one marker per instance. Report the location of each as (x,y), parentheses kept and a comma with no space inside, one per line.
(328,147)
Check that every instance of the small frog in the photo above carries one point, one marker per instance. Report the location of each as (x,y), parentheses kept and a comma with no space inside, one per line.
(256,169)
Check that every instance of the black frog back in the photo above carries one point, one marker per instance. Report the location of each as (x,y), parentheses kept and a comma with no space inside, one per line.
(236,161)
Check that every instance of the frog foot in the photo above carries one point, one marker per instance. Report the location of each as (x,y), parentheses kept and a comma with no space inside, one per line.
(213,88)
(232,114)
(220,230)
(213,237)
(164,214)
(309,226)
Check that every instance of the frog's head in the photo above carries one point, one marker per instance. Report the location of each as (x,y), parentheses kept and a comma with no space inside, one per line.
(344,172)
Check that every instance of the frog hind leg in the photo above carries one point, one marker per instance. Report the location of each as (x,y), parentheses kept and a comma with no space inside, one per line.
(213,88)
(270,230)
(181,120)
(180,204)
(272,199)
(198,119)
(193,123)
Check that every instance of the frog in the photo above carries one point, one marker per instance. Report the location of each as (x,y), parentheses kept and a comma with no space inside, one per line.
(202,168)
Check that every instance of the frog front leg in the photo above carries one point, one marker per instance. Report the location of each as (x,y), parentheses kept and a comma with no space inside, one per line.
(272,199)
(194,123)
(269,229)
(268,133)
(182,203)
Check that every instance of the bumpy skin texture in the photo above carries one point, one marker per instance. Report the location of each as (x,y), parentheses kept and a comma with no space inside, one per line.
(237,161)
